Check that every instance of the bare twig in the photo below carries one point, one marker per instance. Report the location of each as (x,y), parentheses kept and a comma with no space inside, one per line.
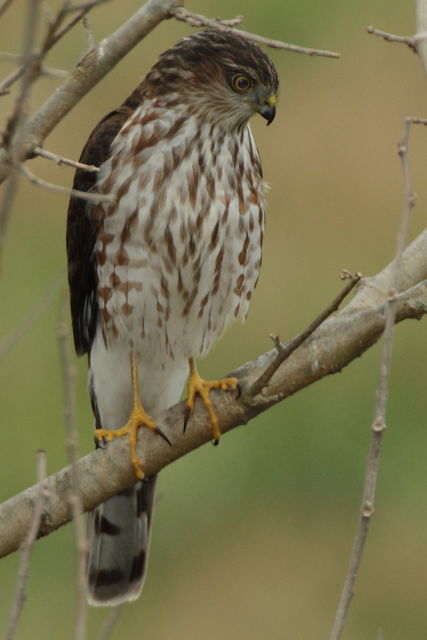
(39,182)
(10,80)
(91,42)
(6,203)
(110,623)
(9,341)
(415,120)
(85,6)
(53,35)
(60,160)
(285,350)
(197,20)
(379,422)
(30,65)
(15,124)
(44,70)
(391,37)
(27,547)
(4,5)
(68,380)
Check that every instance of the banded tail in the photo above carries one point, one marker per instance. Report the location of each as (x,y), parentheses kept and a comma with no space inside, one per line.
(119,537)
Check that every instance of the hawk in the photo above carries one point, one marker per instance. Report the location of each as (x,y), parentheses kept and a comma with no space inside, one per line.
(158,273)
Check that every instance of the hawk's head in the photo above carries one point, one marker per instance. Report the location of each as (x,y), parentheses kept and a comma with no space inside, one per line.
(219,76)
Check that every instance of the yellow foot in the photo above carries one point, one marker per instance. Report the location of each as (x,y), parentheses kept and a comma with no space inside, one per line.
(137,419)
(198,386)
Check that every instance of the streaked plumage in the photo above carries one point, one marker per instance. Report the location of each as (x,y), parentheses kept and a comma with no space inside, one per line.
(160,272)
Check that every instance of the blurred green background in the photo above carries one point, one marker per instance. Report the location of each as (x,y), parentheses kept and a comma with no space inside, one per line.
(251,540)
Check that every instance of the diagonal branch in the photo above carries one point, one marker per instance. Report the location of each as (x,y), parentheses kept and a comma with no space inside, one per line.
(196,20)
(336,343)
(285,350)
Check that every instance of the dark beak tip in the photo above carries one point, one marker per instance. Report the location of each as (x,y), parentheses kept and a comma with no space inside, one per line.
(268,113)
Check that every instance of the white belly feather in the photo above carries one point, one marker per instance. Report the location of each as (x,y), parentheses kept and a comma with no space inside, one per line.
(178,254)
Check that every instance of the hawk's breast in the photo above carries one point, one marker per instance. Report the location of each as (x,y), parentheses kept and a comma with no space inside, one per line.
(178,253)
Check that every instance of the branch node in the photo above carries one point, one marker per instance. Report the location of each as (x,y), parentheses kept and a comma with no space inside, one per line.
(378,425)
(368,509)
(392,294)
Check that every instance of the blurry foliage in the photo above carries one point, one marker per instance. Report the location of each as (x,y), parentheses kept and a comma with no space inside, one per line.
(252,539)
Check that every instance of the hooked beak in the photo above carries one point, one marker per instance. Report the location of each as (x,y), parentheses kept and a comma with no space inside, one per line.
(268,109)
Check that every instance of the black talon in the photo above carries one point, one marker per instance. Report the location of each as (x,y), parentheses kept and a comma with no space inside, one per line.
(187,414)
(215,442)
(164,436)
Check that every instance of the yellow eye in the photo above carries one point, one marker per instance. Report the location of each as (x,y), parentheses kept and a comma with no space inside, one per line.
(241,83)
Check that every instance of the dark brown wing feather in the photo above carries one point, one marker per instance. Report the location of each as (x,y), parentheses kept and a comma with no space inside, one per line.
(81,230)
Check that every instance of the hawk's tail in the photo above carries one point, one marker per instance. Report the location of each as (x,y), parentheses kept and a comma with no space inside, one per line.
(119,537)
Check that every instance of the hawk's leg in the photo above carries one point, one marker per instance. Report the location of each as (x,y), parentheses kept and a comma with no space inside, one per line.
(138,418)
(198,386)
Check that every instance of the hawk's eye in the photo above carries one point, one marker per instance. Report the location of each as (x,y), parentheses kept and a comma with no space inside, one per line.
(241,83)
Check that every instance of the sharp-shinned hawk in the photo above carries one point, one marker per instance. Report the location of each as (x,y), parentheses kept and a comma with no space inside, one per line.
(157,274)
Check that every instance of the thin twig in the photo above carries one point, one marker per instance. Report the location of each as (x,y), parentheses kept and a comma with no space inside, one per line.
(9,341)
(39,182)
(4,5)
(6,203)
(86,6)
(10,80)
(197,20)
(44,70)
(415,120)
(391,37)
(71,436)
(58,34)
(14,128)
(54,34)
(62,161)
(285,350)
(91,42)
(110,623)
(379,422)
(31,70)
(27,547)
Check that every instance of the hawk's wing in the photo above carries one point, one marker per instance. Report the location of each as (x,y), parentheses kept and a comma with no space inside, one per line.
(81,230)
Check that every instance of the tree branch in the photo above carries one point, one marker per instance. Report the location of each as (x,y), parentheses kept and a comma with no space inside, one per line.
(338,341)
